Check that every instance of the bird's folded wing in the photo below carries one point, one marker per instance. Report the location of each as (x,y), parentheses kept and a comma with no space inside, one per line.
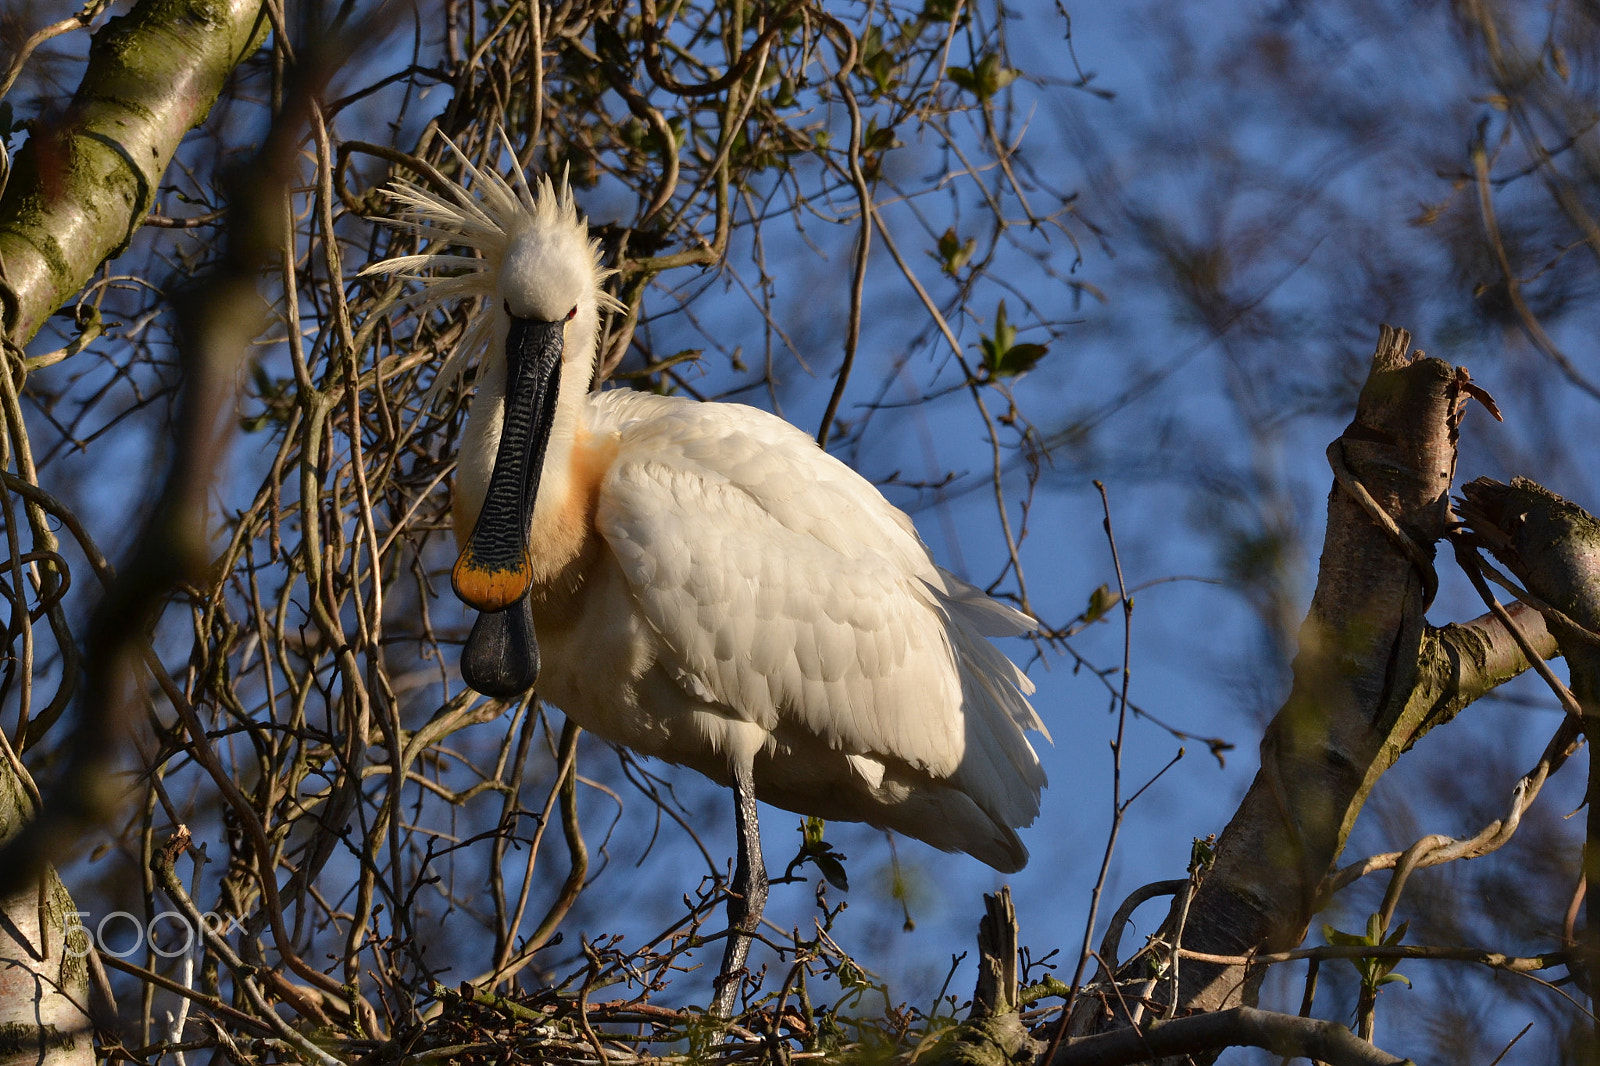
(784,588)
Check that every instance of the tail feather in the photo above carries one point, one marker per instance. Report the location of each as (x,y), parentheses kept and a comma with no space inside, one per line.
(999,770)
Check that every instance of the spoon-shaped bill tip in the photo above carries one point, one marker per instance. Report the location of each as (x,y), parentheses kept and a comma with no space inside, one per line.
(501,659)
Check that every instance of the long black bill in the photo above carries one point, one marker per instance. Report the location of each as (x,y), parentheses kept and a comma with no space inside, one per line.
(493,574)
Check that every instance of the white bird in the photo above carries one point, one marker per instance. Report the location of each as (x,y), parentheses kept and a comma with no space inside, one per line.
(706,584)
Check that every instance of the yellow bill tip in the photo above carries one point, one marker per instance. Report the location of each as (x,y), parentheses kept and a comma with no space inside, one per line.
(488,588)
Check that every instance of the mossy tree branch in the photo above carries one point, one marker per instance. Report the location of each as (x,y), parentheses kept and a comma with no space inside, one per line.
(80,189)
(1553,547)
(83,186)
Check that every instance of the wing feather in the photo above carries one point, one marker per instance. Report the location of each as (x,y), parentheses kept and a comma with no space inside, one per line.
(784,588)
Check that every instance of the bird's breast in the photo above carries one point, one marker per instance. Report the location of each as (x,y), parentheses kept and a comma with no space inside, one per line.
(562,538)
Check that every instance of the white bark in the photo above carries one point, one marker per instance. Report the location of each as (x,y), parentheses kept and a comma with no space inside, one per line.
(44,985)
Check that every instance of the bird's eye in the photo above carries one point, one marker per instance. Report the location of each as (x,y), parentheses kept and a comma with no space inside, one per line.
(572,314)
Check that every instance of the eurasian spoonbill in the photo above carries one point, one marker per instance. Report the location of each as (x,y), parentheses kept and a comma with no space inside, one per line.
(705,583)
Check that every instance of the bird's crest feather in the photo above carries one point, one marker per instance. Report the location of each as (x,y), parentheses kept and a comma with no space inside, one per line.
(483,214)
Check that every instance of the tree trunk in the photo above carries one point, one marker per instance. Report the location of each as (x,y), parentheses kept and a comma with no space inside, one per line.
(80,189)
(44,985)
(1370,679)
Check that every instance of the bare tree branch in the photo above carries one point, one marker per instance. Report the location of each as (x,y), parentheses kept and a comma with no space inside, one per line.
(1282,1034)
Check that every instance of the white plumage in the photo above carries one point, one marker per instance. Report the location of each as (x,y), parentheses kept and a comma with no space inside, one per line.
(783,611)
(705,584)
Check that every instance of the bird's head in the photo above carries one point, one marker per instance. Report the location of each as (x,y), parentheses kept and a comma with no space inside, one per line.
(547,272)
(536,279)
(528,257)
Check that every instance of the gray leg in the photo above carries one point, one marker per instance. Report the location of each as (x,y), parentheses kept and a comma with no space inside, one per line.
(750,894)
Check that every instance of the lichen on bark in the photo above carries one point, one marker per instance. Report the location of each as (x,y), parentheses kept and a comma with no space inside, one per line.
(83,184)
(43,963)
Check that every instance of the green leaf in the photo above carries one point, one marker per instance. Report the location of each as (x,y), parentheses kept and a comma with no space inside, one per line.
(786,95)
(1101,600)
(819,853)
(1002,356)
(954,252)
(1374,972)
(881,67)
(994,74)
(876,140)
(996,346)
(832,871)
(1019,359)
(1343,940)
(985,79)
